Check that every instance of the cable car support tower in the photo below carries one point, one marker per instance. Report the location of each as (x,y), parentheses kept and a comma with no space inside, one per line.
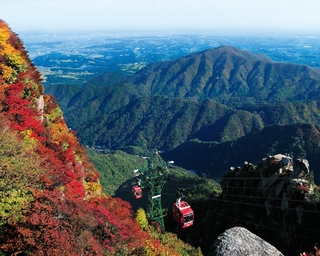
(153,179)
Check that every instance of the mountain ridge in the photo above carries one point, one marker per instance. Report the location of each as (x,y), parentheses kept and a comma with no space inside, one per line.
(228,75)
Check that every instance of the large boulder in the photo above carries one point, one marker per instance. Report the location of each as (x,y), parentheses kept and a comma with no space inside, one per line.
(240,241)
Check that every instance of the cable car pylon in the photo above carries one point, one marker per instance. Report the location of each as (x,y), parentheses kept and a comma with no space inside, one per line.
(153,179)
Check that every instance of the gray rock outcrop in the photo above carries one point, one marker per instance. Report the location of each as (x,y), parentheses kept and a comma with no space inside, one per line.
(240,241)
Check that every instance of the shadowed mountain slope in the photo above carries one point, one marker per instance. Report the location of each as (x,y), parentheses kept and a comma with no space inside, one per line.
(215,159)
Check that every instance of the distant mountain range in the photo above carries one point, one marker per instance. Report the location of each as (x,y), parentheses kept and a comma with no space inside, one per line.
(208,103)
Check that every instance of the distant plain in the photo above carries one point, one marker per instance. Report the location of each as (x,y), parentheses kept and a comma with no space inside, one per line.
(74,59)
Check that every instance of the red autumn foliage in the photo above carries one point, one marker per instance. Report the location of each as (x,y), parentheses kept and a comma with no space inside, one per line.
(75,189)
(118,213)
(60,221)
(21,114)
(63,218)
(56,225)
(47,229)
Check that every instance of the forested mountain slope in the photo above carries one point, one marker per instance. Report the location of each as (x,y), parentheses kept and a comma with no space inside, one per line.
(229,76)
(163,123)
(82,104)
(213,96)
(226,75)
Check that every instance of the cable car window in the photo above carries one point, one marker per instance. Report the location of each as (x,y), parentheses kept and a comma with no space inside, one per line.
(188,217)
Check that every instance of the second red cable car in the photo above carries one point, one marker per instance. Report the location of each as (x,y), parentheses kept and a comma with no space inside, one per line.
(137,192)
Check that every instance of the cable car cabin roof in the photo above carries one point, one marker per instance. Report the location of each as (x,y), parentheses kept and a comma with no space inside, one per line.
(136,188)
(184,207)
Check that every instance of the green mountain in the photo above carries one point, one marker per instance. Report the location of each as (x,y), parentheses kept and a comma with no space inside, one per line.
(193,132)
(226,75)
(229,76)
(210,111)
(206,99)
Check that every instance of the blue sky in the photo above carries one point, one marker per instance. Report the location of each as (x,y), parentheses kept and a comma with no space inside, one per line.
(165,15)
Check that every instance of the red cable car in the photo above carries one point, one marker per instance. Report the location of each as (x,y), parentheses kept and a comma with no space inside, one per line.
(183,214)
(137,192)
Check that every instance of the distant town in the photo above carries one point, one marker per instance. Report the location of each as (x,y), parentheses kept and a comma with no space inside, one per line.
(74,59)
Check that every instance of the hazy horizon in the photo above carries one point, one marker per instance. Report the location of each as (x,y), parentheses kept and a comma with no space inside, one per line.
(169,16)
